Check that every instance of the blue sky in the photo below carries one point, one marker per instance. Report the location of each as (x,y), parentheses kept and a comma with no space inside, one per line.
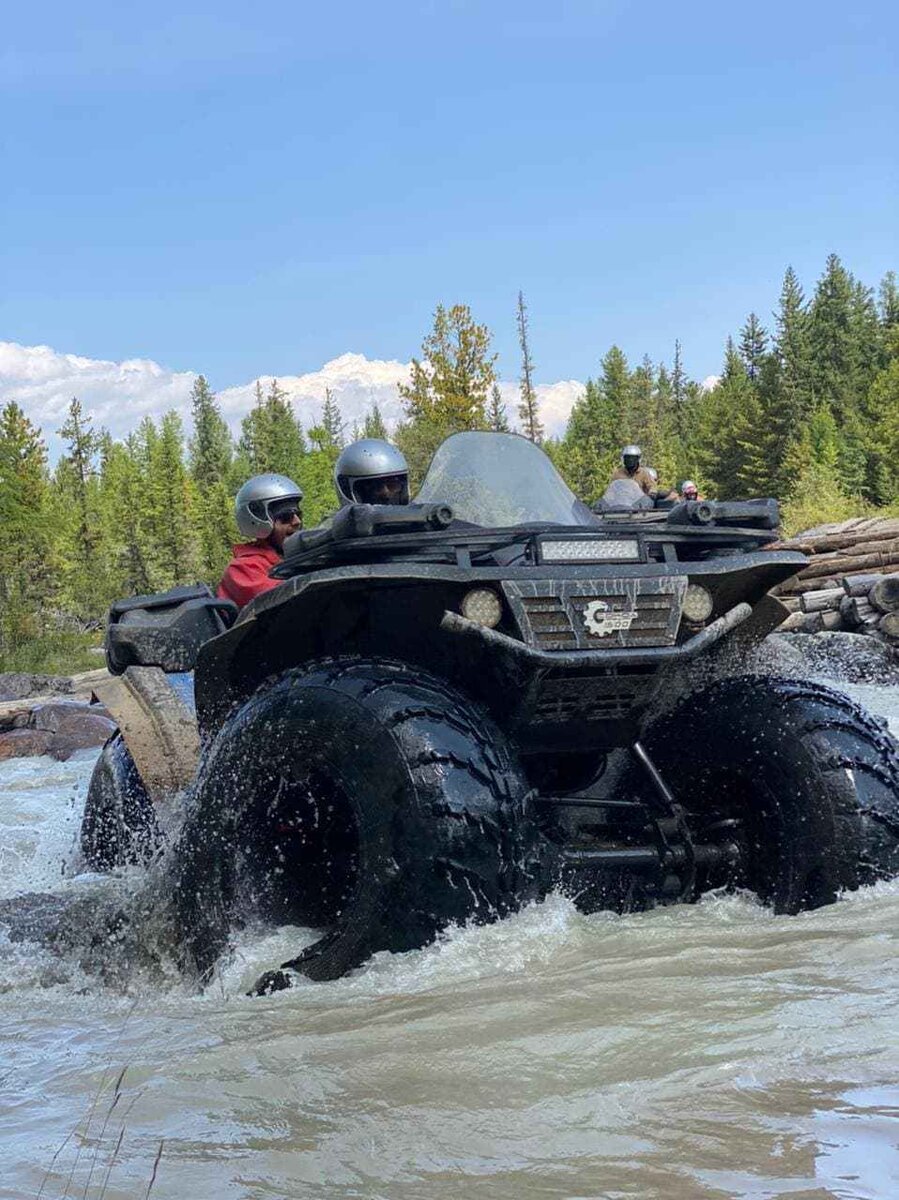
(248,189)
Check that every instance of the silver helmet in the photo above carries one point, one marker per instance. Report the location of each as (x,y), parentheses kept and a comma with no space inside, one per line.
(631,451)
(364,462)
(253,502)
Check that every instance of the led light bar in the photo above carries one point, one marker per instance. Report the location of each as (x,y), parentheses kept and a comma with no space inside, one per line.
(589,550)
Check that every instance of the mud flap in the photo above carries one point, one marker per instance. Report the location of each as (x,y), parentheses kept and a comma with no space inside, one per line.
(158,728)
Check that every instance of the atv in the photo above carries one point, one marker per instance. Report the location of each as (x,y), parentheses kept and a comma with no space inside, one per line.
(450,708)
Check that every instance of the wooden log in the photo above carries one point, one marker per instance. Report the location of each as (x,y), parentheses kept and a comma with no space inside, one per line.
(790,603)
(859,585)
(841,541)
(888,545)
(849,564)
(798,587)
(885,595)
(823,601)
(856,610)
(830,621)
(888,625)
(795,623)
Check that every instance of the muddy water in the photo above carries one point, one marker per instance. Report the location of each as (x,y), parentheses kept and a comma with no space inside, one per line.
(712,1051)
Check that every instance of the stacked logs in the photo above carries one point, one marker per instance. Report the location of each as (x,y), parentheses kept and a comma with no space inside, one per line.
(859,604)
(851,581)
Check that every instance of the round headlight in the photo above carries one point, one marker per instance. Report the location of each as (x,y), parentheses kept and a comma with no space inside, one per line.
(483,606)
(697,604)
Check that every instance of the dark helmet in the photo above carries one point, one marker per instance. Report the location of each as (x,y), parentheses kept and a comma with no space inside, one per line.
(254,501)
(364,464)
(630,458)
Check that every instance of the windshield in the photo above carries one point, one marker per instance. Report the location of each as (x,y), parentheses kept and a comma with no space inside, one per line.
(499,479)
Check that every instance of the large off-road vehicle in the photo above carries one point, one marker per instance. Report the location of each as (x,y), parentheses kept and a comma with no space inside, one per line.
(450,708)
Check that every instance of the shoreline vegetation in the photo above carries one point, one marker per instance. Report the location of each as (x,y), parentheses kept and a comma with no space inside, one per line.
(807,411)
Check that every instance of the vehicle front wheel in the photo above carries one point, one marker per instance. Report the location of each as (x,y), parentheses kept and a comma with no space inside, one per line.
(370,801)
(800,777)
(119,826)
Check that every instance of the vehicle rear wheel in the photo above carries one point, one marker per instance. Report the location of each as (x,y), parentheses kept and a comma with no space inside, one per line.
(366,799)
(119,826)
(802,778)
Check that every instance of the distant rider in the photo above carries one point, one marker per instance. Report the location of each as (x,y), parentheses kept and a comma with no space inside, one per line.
(371,471)
(630,469)
(689,491)
(268,508)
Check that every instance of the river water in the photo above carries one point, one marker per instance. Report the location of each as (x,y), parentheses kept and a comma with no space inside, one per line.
(689,1053)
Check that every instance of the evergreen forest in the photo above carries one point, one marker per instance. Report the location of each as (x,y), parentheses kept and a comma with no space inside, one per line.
(806,408)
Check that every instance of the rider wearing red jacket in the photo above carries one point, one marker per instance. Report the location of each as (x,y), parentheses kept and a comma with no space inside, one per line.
(268,508)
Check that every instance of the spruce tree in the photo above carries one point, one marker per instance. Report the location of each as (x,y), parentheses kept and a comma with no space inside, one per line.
(25,558)
(496,411)
(75,485)
(332,421)
(373,426)
(210,447)
(753,346)
(528,407)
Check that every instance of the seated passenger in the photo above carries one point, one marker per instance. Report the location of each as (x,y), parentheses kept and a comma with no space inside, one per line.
(371,471)
(267,509)
(689,491)
(630,469)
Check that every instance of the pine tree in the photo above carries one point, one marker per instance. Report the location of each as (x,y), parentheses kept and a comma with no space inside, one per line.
(589,451)
(679,393)
(449,385)
(496,411)
(373,426)
(332,421)
(452,380)
(210,447)
(528,406)
(75,484)
(24,559)
(753,346)
(174,515)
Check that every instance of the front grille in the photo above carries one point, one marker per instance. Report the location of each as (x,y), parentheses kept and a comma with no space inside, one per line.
(594,614)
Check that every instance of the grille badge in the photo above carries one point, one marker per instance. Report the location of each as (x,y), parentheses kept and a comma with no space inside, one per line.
(600,620)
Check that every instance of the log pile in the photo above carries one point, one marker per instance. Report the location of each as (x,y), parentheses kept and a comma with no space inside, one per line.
(860,604)
(851,582)
(863,546)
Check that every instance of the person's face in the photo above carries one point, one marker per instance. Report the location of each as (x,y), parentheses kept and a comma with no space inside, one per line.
(287,521)
(690,493)
(388,490)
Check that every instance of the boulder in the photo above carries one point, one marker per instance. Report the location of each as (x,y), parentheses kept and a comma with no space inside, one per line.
(24,743)
(58,728)
(60,716)
(20,685)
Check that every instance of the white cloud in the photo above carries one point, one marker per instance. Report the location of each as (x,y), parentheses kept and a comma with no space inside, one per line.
(117,395)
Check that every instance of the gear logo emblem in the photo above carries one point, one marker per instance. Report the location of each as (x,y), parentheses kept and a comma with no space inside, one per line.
(600,620)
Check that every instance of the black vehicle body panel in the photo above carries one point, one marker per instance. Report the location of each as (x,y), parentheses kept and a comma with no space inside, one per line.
(552,699)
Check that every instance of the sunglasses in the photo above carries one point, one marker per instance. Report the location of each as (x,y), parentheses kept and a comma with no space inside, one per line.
(287,514)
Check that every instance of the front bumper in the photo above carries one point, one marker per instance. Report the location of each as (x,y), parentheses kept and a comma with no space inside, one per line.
(588,660)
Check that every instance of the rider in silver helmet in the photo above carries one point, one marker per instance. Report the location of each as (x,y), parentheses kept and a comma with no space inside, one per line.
(631,469)
(267,509)
(371,471)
